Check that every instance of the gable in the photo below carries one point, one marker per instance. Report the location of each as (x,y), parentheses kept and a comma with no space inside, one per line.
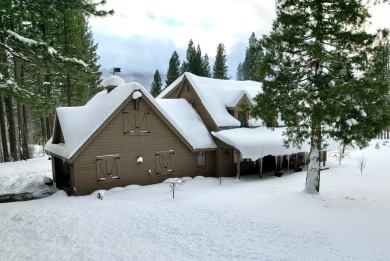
(216,96)
(185,90)
(243,102)
(58,136)
(81,124)
(78,124)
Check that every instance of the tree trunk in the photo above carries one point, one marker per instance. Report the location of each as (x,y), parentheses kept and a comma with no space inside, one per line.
(66,52)
(25,133)
(1,153)
(3,129)
(43,130)
(313,172)
(69,87)
(11,127)
(23,150)
(20,130)
(49,127)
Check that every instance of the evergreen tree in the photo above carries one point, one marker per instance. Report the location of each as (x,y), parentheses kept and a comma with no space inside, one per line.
(206,70)
(45,55)
(250,68)
(173,70)
(77,87)
(194,62)
(312,77)
(239,73)
(156,84)
(220,69)
(190,54)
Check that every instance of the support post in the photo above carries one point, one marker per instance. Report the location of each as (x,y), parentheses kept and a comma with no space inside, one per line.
(281,162)
(288,163)
(276,163)
(238,163)
(261,168)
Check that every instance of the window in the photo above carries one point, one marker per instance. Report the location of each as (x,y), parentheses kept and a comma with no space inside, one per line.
(107,167)
(135,123)
(201,159)
(164,162)
(243,118)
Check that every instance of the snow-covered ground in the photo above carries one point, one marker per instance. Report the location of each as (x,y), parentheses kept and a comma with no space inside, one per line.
(248,219)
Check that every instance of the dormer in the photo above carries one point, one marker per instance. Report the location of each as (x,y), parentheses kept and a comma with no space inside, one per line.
(240,110)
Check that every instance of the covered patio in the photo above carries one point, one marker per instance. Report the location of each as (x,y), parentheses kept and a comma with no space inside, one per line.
(262,150)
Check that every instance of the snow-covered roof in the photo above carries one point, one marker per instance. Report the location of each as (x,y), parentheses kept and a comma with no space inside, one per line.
(112,80)
(190,124)
(255,143)
(79,123)
(218,95)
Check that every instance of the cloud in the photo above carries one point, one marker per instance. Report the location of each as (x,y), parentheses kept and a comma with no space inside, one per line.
(154,29)
(142,35)
(135,53)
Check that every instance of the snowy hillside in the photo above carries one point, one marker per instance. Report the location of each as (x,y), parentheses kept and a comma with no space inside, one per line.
(247,219)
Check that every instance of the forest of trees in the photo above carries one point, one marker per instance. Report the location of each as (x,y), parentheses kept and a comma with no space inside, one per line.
(194,63)
(47,59)
(199,65)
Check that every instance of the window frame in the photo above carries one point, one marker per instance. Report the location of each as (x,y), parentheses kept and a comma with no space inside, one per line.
(135,123)
(201,159)
(105,163)
(165,162)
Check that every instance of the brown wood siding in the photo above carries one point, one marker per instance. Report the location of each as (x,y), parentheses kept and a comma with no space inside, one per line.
(72,179)
(226,165)
(111,140)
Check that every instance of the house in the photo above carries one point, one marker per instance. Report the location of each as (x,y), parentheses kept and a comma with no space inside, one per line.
(123,136)
(223,107)
(196,127)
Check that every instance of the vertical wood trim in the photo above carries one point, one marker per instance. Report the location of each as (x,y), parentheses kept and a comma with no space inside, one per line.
(261,167)
(238,164)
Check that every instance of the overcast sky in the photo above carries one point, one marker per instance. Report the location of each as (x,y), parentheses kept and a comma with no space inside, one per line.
(142,35)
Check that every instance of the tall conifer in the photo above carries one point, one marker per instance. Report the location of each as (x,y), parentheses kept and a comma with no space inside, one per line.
(314,77)
(250,68)
(196,63)
(220,68)
(156,84)
(173,70)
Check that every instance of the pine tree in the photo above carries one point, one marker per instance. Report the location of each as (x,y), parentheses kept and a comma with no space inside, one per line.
(77,41)
(173,70)
(156,84)
(250,68)
(198,64)
(190,54)
(312,77)
(206,70)
(194,62)
(36,38)
(239,73)
(220,69)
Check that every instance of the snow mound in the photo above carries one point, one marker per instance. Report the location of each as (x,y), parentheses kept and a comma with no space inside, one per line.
(112,80)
